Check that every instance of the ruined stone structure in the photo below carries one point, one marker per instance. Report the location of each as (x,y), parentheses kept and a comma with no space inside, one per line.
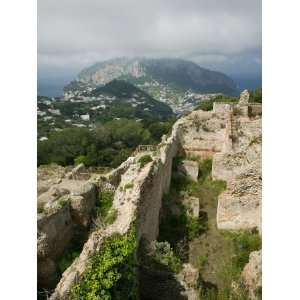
(227,134)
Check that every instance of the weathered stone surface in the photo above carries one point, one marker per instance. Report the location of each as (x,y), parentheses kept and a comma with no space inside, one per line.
(47,273)
(203,134)
(239,207)
(190,168)
(82,202)
(190,275)
(244,97)
(252,274)
(192,205)
(188,278)
(78,173)
(54,233)
(49,175)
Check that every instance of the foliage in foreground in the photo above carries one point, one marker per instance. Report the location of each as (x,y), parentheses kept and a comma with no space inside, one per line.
(110,273)
(243,243)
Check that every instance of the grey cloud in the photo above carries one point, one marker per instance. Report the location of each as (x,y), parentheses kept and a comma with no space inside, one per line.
(224,35)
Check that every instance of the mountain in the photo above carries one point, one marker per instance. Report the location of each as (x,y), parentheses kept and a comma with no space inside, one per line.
(173,81)
(181,73)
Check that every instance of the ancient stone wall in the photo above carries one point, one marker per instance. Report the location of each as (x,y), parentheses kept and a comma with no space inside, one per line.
(139,189)
(255,109)
(67,208)
(155,185)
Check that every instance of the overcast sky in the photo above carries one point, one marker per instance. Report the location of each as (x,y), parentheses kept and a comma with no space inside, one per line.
(222,35)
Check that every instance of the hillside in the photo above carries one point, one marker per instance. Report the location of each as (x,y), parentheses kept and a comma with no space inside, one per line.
(176,82)
(126,92)
(182,74)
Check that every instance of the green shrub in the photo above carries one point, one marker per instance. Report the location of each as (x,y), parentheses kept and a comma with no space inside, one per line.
(206,105)
(105,214)
(111,216)
(66,260)
(62,201)
(110,272)
(145,159)
(104,203)
(195,227)
(81,159)
(244,243)
(216,186)
(163,254)
(203,259)
(205,167)
(256,96)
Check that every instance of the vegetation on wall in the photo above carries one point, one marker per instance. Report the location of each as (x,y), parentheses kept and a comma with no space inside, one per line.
(110,273)
(208,104)
(255,96)
(242,243)
(105,214)
(144,160)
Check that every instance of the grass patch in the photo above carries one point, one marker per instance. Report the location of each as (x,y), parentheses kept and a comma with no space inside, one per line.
(111,216)
(144,160)
(105,214)
(104,203)
(203,259)
(205,167)
(242,244)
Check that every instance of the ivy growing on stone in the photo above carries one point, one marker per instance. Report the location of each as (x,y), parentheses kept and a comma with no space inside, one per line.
(110,273)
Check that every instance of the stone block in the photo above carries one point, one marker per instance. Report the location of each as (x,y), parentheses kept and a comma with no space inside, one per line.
(190,168)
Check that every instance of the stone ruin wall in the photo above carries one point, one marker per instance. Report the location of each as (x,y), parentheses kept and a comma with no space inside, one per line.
(143,206)
(144,201)
(68,212)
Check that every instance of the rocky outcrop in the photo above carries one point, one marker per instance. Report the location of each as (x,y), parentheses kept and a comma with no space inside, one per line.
(65,210)
(55,232)
(192,205)
(252,275)
(82,203)
(188,278)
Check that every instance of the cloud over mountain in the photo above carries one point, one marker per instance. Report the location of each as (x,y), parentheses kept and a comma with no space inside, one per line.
(222,35)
